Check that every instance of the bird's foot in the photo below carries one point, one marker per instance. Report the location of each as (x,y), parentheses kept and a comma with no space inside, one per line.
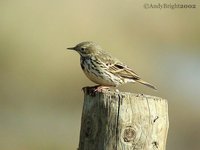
(100,88)
(92,90)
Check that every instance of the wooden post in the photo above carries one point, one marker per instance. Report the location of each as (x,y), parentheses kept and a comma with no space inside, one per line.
(123,121)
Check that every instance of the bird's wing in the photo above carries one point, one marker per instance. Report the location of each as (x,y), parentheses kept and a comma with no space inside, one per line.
(118,68)
(122,70)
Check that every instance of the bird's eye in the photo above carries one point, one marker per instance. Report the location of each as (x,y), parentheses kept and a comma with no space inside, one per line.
(82,48)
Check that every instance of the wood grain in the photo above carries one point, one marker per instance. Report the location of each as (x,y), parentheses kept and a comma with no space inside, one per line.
(123,121)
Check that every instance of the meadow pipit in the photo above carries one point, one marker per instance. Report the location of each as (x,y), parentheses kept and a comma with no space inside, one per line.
(104,69)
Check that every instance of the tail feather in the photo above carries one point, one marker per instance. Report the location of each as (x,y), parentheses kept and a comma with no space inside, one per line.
(147,84)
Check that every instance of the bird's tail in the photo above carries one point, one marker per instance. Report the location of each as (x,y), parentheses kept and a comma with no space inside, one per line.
(147,84)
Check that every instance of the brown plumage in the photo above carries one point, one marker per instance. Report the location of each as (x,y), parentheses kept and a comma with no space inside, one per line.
(103,69)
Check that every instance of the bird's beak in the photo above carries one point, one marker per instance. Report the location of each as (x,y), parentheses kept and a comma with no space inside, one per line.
(71,48)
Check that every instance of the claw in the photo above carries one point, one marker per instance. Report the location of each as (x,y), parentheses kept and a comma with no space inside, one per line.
(101,88)
(93,90)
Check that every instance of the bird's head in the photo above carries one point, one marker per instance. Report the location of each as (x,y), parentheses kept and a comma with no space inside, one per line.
(86,49)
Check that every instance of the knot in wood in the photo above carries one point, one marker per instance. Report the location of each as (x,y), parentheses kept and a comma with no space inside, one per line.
(129,134)
(155,144)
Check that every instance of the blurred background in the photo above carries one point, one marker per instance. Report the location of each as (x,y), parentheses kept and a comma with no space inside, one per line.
(40,81)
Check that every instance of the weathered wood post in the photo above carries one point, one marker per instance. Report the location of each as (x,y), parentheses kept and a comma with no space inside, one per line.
(123,121)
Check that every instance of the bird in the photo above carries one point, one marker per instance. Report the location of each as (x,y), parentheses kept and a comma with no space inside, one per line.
(103,69)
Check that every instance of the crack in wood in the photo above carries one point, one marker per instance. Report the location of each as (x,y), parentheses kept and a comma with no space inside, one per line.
(121,120)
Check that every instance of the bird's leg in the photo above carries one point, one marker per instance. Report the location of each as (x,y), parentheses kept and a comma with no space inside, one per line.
(92,90)
(97,88)
(100,88)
